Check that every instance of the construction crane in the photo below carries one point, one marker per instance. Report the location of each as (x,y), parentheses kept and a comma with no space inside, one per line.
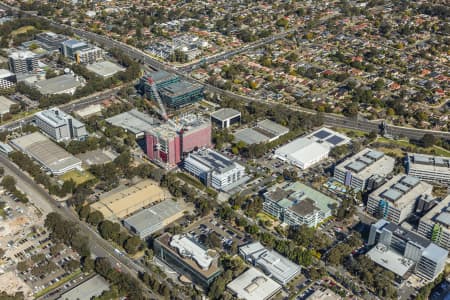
(162,109)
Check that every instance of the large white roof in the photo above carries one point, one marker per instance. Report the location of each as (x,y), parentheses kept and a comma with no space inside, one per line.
(253,285)
(302,150)
(187,248)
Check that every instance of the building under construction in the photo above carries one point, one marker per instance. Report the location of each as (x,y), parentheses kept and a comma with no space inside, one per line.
(167,143)
(175,93)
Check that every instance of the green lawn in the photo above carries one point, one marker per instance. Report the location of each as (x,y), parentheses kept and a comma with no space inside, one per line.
(78,176)
(22,29)
(435,150)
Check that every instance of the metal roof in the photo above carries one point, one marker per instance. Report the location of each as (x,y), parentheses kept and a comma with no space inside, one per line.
(225,114)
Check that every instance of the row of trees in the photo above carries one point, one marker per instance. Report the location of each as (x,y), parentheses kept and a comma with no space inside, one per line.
(39,176)
(9,184)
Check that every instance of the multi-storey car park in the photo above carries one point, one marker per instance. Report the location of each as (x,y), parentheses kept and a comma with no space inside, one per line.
(435,224)
(396,199)
(364,170)
(432,169)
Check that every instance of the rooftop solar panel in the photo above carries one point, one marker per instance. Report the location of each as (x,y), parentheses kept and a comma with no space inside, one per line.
(322,134)
(335,140)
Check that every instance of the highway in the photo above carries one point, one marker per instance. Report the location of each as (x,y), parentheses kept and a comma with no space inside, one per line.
(329,119)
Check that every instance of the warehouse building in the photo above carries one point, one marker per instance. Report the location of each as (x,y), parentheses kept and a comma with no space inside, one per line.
(188,258)
(50,155)
(105,69)
(265,131)
(225,117)
(63,84)
(214,169)
(297,204)
(5,105)
(253,285)
(59,125)
(435,224)
(167,143)
(402,251)
(311,149)
(150,220)
(134,121)
(432,169)
(364,169)
(23,62)
(124,202)
(270,262)
(396,199)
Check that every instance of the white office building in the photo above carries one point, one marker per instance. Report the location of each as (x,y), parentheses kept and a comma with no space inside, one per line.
(214,169)
(396,199)
(253,285)
(435,224)
(432,169)
(358,169)
(23,62)
(59,125)
(311,149)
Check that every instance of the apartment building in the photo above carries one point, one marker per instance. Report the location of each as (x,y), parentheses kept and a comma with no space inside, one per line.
(435,224)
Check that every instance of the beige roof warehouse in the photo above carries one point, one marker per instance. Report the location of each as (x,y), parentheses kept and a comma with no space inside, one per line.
(125,202)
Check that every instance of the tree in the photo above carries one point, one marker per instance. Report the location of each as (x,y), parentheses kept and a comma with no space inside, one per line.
(428,140)
(8,182)
(132,244)
(94,218)
(87,264)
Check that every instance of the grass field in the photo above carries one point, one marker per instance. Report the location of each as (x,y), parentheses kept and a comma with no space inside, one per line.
(77,176)
(435,150)
(22,30)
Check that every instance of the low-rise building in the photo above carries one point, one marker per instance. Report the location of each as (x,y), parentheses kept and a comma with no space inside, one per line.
(435,224)
(59,125)
(357,171)
(253,285)
(119,204)
(214,169)
(146,222)
(402,251)
(89,289)
(50,155)
(432,169)
(225,117)
(324,294)
(105,69)
(63,84)
(297,204)
(188,258)
(265,131)
(311,149)
(396,199)
(270,262)
(134,121)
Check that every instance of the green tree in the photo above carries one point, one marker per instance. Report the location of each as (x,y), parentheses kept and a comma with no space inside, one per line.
(94,218)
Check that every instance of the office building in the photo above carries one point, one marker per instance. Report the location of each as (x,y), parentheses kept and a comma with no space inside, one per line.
(435,224)
(174,92)
(50,41)
(225,117)
(121,203)
(7,79)
(253,285)
(105,69)
(135,122)
(81,52)
(188,258)
(311,149)
(323,294)
(402,251)
(265,131)
(356,171)
(432,169)
(273,264)
(168,143)
(396,199)
(59,125)
(23,62)
(51,156)
(214,169)
(297,204)
(150,220)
